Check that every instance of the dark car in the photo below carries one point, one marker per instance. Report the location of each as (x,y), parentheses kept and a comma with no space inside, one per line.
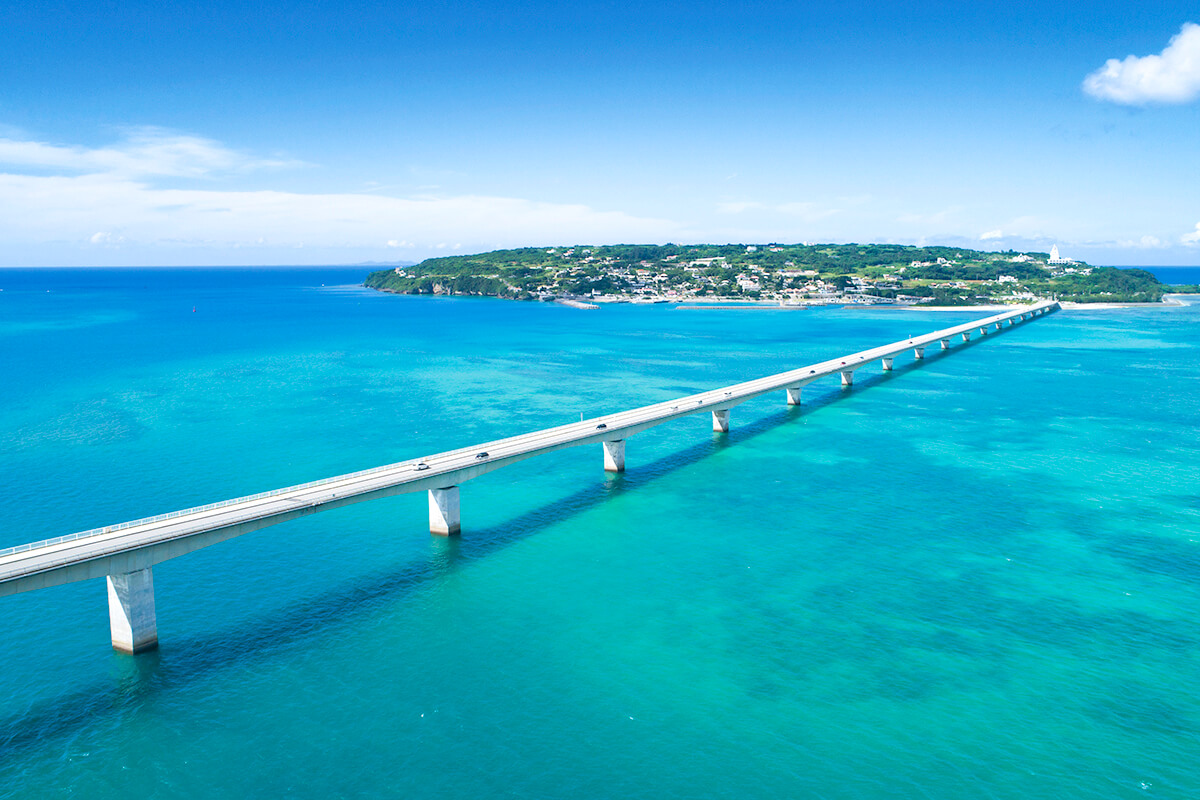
(482,455)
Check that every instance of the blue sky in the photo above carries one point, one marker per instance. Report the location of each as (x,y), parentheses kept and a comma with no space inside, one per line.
(306,133)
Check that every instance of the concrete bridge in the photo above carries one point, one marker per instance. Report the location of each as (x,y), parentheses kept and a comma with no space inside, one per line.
(126,553)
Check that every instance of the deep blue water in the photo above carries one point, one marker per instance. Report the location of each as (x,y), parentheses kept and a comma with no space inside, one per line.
(1189,276)
(976,577)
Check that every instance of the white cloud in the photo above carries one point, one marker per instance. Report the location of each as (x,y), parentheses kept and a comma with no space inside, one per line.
(144,152)
(1146,242)
(1193,237)
(103,237)
(43,208)
(996,234)
(1172,76)
(102,198)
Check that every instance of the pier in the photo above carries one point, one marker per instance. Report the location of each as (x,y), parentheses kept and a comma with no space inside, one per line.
(125,554)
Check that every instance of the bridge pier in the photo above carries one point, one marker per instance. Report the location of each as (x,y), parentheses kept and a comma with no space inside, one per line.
(443,512)
(793,394)
(997,326)
(887,364)
(131,611)
(721,421)
(614,455)
(966,336)
(945,344)
(919,353)
(848,378)
(983,331)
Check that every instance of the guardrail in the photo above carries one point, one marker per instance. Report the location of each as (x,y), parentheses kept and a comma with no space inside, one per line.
(70,537)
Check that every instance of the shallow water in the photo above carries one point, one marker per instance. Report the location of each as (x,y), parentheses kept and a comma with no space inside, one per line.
(975,577)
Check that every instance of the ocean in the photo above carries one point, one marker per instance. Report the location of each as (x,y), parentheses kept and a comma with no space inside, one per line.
(974,577)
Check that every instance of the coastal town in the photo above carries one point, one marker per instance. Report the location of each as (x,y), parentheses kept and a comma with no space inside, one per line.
(796,275)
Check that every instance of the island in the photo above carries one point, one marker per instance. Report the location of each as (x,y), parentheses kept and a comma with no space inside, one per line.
(791,274)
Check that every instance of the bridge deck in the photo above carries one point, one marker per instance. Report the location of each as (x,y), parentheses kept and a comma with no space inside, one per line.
(141,543)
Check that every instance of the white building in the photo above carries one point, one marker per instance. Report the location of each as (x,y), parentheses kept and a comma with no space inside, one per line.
(1055,258)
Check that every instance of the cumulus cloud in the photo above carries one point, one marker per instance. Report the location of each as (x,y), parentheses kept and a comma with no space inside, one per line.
(996,234)
(1193,237)
(129,196)
(1172,76)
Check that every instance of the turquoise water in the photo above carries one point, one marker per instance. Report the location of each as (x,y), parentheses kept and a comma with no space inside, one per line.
(973,578)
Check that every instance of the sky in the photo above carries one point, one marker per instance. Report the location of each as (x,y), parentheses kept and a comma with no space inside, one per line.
(213,133)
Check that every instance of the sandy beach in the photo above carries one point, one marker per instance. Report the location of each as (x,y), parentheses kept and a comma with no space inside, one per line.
(1168,301)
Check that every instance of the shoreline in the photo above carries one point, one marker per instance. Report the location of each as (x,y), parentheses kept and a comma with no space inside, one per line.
(716,304)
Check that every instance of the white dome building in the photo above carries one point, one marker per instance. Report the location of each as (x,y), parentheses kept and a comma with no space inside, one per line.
(1055,258)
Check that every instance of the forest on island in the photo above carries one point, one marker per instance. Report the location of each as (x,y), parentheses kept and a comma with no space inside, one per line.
(946,275)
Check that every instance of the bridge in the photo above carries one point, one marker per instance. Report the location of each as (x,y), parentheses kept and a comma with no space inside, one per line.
(125,554)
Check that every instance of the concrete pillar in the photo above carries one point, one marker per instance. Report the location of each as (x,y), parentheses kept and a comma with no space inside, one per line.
(919,353)
(721,421)
(848,378)
(794,395)
(1011,322)
(887,364)
(443,511)
(945,344)
(997,326)
(983,331)
(131,611)
(614,456)
(966,336)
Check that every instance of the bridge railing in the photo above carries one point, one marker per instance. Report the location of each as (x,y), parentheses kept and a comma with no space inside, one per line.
(70,537)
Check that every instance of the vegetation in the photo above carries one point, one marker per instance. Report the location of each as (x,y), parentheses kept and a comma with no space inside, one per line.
(800,273)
